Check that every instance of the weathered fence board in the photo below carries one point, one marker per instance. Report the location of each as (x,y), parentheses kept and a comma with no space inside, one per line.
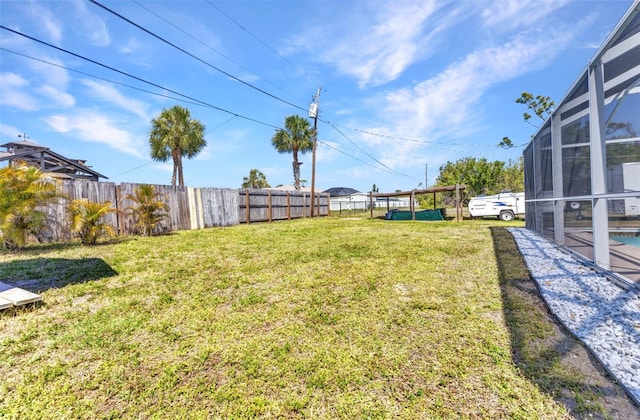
(58,216)
(175,197)
(189,208)
(220,207)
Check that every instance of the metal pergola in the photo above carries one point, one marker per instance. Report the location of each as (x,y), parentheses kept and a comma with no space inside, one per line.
(458,188)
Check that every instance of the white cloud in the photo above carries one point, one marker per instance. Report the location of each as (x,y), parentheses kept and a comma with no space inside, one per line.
(132,46)
(376,45)
(448,105)
(90,25)
(226,143)
(47,74)
(205,154)
(47,21)
(138,53)
(9,131)
(13,88)
(93,127)
(326,151)
(511,14)
(60,99)
(165,167)
(108,93)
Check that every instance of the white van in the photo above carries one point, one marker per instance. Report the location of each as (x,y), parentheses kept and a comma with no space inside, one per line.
(506,206)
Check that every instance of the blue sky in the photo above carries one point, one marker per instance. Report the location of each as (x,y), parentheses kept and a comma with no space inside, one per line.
(406,85)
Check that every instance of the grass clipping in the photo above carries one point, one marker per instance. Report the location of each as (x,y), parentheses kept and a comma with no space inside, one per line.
(323,318)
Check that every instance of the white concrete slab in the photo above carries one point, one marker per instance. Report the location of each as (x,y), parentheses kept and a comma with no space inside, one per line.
(17,296)
(4,303)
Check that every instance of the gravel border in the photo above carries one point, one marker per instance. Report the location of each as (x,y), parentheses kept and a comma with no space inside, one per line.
(601,314)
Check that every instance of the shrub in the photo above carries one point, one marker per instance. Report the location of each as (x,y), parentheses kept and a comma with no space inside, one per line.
(148,209)
(24,192)
(87,220)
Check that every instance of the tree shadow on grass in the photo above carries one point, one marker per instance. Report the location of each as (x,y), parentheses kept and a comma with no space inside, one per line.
(544,351)
(41,274)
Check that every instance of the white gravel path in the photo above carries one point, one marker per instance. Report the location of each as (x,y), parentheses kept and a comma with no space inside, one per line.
(604,316)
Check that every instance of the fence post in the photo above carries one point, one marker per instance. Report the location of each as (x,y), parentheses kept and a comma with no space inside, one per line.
(288,206)
(247,208)
(412,205)
(119,211)
(304,205)
(269,205)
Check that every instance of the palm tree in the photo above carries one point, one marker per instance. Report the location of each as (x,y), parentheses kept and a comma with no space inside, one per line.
(174,134)
(87,220)
(297,136)
(24,191)
(256,179)
(148,210)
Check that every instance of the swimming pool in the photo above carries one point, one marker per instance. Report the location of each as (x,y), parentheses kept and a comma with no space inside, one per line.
(629,240)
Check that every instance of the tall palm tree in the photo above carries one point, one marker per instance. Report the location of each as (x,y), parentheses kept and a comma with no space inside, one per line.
(256,179)
(296,136)
(174,134)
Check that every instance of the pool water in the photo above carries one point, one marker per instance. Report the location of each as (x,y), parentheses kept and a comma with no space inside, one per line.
(629,240)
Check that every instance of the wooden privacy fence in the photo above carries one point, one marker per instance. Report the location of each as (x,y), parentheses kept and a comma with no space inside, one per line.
(269,205)
(189,208)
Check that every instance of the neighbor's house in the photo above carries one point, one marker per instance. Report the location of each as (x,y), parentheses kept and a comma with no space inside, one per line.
(48,161)
(582,168)
(345,198)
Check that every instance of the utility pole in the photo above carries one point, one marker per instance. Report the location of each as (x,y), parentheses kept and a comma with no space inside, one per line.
(313,113)
(426,177)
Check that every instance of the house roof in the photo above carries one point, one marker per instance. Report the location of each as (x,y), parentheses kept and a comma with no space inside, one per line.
(340,191)
(49,161)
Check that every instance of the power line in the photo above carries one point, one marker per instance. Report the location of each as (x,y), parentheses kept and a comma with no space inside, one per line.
(204,44)
(134,169)
(102,78)
(388,136)
(362,150)
(136,77)
(194,56)
(386,169)
(193,101)
(256,38)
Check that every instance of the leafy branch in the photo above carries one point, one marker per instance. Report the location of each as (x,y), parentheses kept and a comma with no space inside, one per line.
(541,106)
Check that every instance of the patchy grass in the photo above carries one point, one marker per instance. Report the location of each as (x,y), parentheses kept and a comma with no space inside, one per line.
(324,318)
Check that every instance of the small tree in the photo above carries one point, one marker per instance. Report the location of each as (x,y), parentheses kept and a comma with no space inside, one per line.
(256,179)
(24,191)
(87,220)
(148,210)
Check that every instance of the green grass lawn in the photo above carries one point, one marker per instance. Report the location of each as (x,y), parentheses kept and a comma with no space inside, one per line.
(323,318)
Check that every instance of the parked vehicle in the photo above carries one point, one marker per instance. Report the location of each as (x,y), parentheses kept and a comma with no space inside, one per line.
(625,177)
(505,206)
